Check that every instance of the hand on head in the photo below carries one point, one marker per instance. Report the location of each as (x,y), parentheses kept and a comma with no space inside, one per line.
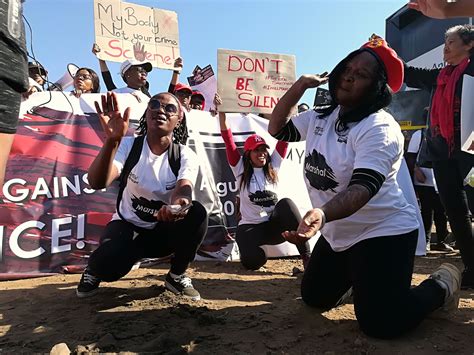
(114,124)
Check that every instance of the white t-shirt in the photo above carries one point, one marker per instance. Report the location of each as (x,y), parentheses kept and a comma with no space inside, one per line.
(414,147)
(139,95)
(374,143)
(258,201)
(151,182)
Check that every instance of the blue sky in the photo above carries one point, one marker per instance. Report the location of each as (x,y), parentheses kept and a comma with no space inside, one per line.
(319,33)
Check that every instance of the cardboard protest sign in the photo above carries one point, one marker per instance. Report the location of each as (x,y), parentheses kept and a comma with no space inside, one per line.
(467,113)
(121,25)
(253,81)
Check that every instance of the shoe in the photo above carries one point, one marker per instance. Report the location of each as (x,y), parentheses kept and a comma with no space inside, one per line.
(467,279)
(449,278)
(428,247)
(182,285)
(88,286)
(442,247)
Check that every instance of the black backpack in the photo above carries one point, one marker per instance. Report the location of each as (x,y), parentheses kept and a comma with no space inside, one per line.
(174,160)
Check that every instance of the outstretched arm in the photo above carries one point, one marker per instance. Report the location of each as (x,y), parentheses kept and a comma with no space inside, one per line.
(104,69)
(442,9)
(178,66)
(233,155)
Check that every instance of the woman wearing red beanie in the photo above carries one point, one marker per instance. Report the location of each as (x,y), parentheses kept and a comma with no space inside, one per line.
(369,231)
(443,138)
(263,216)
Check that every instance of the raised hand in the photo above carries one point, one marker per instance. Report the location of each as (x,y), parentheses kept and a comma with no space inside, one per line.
(217,100)
(178,64)
(430,8)
(115,125)
(95,49)
(315,80)
(139,52)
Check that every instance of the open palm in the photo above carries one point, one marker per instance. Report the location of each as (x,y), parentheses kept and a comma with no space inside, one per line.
(115,125)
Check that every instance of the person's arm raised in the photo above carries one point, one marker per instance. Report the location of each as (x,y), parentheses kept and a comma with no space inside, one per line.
(102,170)
(233,155)
(282,111)
(178,66)
(442,9)
(104,69)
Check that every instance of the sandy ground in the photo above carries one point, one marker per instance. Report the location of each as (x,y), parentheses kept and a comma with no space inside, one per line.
(241,312)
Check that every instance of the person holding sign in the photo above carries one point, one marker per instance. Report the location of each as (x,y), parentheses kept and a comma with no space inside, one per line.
(134,73)
(443,137)
(155,215)
(369,231)
(263,216)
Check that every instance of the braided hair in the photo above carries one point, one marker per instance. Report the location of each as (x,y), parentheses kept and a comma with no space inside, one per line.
(180,132)
(378,97)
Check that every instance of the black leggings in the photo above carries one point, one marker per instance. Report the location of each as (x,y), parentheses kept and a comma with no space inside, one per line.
(431,208)
(250,237)
(123,244)
(379,270)
(449,176)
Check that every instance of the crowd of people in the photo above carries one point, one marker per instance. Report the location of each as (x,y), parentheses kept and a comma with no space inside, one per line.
(354,151)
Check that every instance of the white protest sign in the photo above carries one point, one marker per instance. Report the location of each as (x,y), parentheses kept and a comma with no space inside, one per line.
(121,25)
(467,114)
(204,81)
(252,81)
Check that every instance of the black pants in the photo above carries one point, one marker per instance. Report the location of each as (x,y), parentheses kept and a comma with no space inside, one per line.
(123,244)
(379,271)
(250,237)
(431,208)
(449,176)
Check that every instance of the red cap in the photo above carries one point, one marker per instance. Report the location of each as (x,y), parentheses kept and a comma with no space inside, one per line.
(389,58)
(181,86)
(198,93)
(253,142)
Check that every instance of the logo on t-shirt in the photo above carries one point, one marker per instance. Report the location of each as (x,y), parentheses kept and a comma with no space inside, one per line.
(145,209)
(318,131)
(319,173)
(263,198)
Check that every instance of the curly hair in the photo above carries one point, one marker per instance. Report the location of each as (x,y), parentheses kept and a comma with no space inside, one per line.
(180,132)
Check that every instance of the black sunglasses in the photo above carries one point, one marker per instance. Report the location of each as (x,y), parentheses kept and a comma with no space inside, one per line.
(156,105)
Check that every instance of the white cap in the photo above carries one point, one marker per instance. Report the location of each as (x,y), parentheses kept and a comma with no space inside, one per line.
(131,62)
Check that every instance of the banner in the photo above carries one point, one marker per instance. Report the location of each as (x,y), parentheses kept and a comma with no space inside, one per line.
(204,81)
(51,220)
(121,25)
(253,82)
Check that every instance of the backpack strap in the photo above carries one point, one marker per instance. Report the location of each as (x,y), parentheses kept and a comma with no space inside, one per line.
(174,158)
(132,160)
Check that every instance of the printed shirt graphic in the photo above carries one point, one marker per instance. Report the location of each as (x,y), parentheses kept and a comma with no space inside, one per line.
(261,194)
(150,182)
(374,143)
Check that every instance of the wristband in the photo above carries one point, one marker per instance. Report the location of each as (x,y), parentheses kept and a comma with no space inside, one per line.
(323,217)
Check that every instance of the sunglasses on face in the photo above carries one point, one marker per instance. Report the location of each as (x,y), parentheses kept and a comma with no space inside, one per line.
(84,76)
(156,105)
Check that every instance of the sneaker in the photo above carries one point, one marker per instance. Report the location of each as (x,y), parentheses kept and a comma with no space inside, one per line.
(442,247)
(182,285)
(449,278)
(88,286)
(467,279)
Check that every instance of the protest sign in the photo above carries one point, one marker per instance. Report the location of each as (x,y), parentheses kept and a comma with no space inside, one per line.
(253,81)
(121,25)
(204,81)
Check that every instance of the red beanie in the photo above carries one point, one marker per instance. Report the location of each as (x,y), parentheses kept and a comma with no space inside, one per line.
(388,57)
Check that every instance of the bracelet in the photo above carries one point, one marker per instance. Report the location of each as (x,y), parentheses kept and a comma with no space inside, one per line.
(323,217)
(177,71)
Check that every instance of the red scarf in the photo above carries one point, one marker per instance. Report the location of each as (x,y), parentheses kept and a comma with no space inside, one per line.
(442,108)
